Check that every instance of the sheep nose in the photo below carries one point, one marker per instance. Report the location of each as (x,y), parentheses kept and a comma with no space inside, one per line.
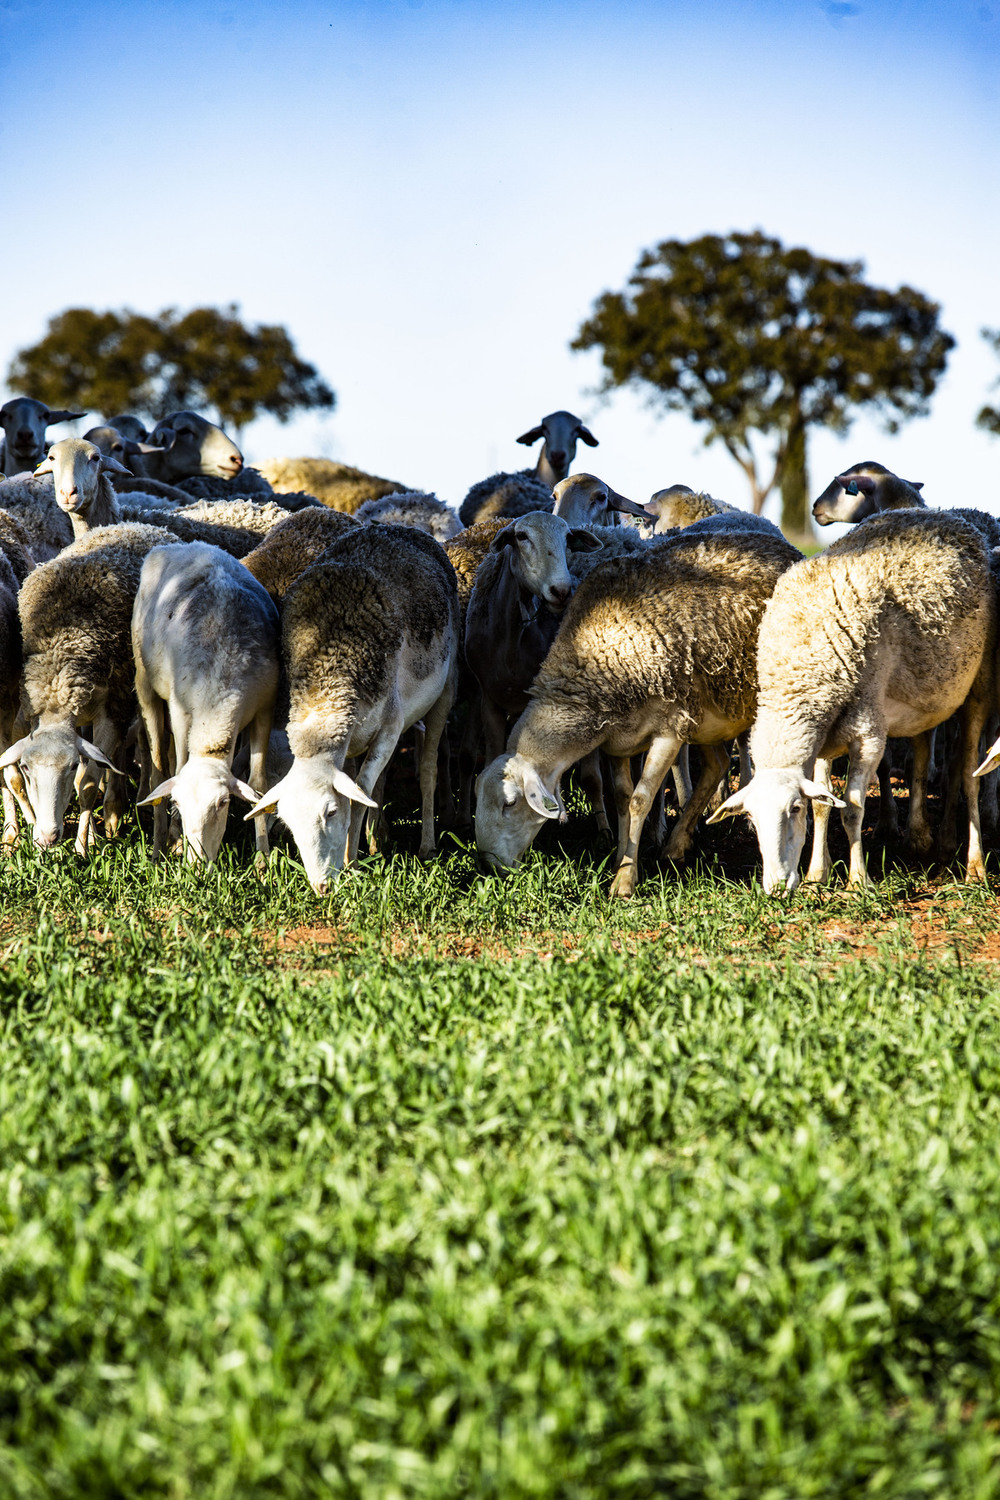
(558,594)
(321,887)
(45,837)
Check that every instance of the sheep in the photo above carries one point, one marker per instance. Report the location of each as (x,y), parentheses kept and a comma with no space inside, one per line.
(521,589)
(247,484)
(655,650)
(466,551)
(370,640)
(205,642)
(238,541)
(869,488)
(32,501)
(504,496)
(561,431)
(413,508)
(680,506)
(336,485)
(260,516)
(887,632)
(24,422)
(10,676)
(129,427)
(76,621)
(291,546)
(16,544)
(585,500)
(184,444)
(81,479)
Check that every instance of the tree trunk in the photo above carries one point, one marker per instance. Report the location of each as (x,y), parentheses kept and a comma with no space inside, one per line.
(795,486)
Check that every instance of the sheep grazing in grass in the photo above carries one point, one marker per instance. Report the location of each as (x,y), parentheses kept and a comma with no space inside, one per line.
(413,508)
(887,632)
(24,421)
(514,494)
(76,625)
(655,650)
(370,643)
(293,545)
(10,679)
(337,485)
(205,641)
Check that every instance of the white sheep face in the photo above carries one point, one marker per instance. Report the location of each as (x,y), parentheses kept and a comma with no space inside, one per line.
(512,804)
(314,803)
(201,792)
(49,760)
(775,802)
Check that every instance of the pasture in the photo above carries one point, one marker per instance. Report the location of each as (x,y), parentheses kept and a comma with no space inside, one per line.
(442,1186)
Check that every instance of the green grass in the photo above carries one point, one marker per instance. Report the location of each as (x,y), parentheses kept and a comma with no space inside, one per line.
(444,1186)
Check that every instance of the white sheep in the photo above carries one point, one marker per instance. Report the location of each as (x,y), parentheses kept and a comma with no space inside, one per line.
(655,651)
(370,643)
(205,642)
(885,633)
(585,500)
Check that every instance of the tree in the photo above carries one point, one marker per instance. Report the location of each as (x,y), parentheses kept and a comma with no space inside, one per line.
(125,361)
(750,338)
(989,417)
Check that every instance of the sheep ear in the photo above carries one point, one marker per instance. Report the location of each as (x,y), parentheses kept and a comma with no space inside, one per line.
(45,467)
(13,755)
(588,436)
(505,538)
(817,793)
(730,808)
(581,540)
(531,437)
(89,751)
(242,789)
(865,483)
(108,462)
(915,484)
(537,797)
(989,764)
(343,784)
(161,793)
(62,416)
(268,803)
(146,448)
(627,507)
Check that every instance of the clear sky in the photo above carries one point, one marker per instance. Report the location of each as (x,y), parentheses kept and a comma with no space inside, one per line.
(430,194)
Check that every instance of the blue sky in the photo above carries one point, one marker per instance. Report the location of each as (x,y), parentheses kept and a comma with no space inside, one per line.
(430,196)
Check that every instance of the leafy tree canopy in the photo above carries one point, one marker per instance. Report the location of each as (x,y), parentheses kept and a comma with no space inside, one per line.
(205,358)
(989,417)
(750,338)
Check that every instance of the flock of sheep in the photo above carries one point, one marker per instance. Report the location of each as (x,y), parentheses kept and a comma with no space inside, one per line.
(223,632)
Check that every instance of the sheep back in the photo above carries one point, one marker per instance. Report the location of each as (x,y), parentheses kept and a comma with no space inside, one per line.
(505,495)
(293,545)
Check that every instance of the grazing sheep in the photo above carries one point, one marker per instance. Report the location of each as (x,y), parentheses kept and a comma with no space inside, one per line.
(205,641)
(370,641)
(32,501)
(294,544)
(680,506)
(887,632)
(655,650)
(76,624)
(184,444)
(413,508)
(10,677)
(24,422)
(585,500)
(336,485)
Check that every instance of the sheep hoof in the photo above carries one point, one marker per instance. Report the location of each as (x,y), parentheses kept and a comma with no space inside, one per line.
(623,884)
(975,873)
(920,841)
(818,876)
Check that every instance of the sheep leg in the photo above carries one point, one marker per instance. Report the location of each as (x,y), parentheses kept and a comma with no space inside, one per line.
(467,750)
(180,723)
(918,830)
(380,753)
(973,720)
(434,724)
(888,821)
(593,785)
(682,777)
(715,760)
(105,737)
(865,754)
(14,783)
(746,764)
(721,789)
(154,716)
(494,728)
(621,776)
(660,757)
(260,738)
(820,863)
(377,822)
